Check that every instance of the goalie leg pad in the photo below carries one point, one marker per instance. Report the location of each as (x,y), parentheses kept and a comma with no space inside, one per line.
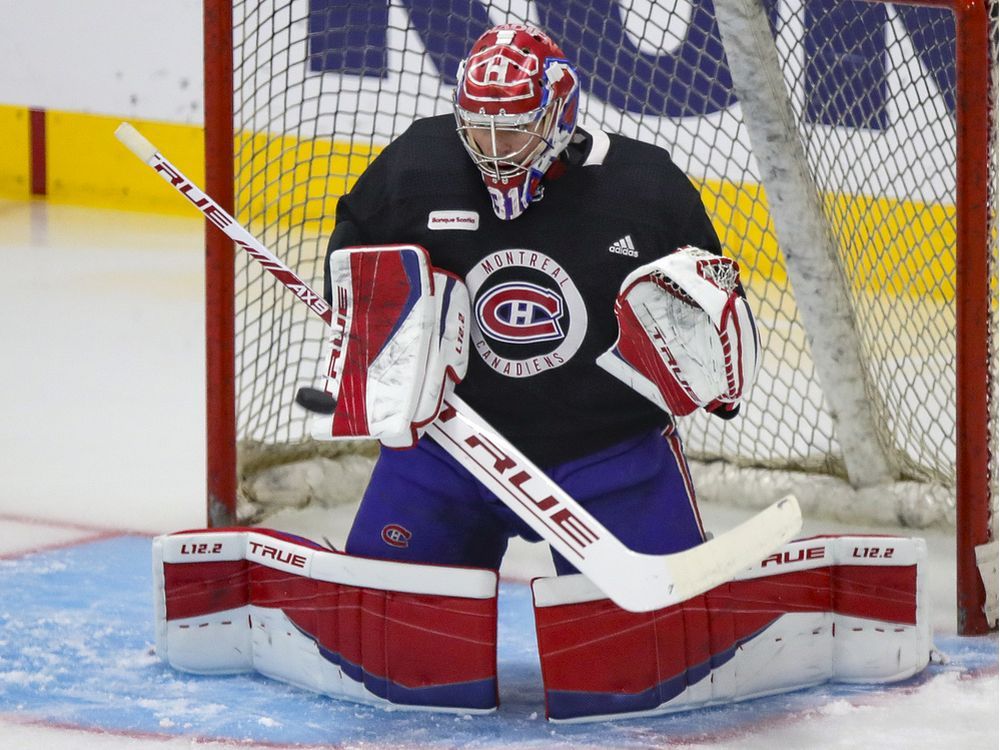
(827,609)
(372,631)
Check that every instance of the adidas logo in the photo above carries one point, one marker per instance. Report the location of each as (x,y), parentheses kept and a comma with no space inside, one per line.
(624,246)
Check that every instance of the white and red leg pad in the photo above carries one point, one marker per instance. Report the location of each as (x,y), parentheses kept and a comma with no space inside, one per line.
(373,631)
(826,609)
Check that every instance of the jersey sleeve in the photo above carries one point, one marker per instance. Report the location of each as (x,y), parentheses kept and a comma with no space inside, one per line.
(345,233)
(699,228)
(354,211)
(361,213)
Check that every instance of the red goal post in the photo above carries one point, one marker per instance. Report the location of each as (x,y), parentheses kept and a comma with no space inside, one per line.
(301,95)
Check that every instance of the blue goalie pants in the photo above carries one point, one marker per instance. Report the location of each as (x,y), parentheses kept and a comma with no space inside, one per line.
(423,506)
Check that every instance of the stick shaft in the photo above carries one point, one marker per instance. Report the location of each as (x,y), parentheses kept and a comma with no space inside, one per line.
(212,211)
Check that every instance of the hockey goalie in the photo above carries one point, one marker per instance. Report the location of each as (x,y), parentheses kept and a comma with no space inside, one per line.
(569,286)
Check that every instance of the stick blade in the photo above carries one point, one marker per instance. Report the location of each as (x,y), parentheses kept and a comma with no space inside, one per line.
(660,581)
(720,559)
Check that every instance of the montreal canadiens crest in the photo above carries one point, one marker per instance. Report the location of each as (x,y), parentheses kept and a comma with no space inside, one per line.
(530,317)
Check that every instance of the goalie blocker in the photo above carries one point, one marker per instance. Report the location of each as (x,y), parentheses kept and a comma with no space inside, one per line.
(843,609)
(399,343)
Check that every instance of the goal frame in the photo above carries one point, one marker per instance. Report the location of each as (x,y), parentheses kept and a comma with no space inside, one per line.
(973,97)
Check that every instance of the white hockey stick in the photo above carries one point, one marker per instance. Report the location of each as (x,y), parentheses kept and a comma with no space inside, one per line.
(634,581)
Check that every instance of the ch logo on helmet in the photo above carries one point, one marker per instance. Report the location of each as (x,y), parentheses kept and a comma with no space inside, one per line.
(501,73)
(520,312)
(396,536)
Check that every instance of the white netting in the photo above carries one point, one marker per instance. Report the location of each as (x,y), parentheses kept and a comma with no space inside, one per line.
(321,86)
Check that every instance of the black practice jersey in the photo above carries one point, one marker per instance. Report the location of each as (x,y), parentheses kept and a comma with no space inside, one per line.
(543,286)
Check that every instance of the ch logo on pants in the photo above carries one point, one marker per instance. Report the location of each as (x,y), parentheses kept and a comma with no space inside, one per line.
(396,536)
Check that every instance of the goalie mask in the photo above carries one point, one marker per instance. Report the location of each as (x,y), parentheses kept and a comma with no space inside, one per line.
(515,105)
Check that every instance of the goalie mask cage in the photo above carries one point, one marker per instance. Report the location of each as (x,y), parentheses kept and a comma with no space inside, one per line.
(846,152)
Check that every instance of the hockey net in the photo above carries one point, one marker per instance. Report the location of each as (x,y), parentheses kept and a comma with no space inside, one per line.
(877,399)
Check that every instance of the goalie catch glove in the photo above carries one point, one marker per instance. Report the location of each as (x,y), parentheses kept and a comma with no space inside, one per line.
(399,343)
(686,336)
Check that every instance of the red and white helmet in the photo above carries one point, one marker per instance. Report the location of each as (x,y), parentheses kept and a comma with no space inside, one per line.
(515,104)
